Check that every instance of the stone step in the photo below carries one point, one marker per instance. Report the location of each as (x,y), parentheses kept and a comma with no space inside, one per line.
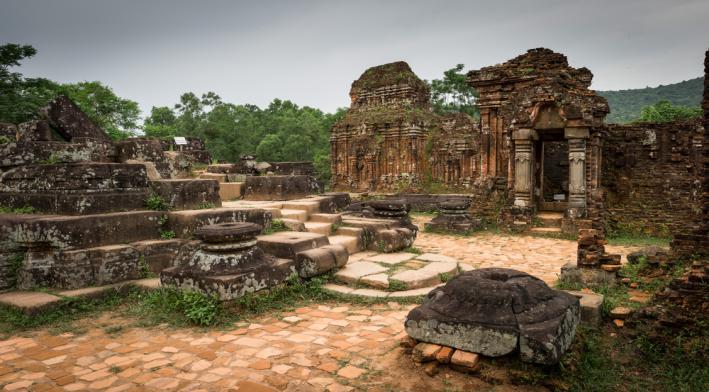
(550,218)
(319,227)
(353,272)
(213,176)
(326,218)
(430,275)
(34,302)
(550,214)
(351,243)
(299,215)
(350,231)
(293,224)
(373,293)
(546,230)
(311,207)
(231,190)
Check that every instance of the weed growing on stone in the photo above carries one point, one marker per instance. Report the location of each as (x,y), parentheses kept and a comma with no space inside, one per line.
(277,225)
(205,206)
(397,285)
(156,203)
(17,210)
(167,234)
(412,249)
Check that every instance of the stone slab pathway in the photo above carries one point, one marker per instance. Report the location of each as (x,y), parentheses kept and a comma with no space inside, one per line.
(538,256)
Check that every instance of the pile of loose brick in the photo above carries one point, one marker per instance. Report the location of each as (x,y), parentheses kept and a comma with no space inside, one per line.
(592,252)
(432,356)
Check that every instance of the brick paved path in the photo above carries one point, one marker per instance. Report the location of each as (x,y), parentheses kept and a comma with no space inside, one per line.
(330,347)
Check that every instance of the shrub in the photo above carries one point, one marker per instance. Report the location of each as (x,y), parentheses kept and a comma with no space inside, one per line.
(156,203)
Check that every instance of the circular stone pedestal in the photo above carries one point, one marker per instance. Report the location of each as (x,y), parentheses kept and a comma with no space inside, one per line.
(495,311)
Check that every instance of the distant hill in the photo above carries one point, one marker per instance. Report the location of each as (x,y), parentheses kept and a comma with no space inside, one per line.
(627,104)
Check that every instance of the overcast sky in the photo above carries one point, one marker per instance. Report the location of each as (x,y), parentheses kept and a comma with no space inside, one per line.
(311,51)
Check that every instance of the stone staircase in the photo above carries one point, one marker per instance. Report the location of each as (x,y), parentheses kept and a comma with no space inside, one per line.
(550,222)
(231,186)
(306,215)
(394,275)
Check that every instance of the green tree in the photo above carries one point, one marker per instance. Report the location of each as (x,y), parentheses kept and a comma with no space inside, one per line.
(21,98)
(161,122)
(665,111)
(117,116)
(453,94)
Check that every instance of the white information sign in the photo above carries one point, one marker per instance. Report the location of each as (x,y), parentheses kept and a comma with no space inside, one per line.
(180,140)
(559,197)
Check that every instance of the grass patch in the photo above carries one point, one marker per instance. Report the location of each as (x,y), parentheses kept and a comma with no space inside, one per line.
(397,285)
(59,319)
(413,249)
(638,240)
(18,210)
(206,206)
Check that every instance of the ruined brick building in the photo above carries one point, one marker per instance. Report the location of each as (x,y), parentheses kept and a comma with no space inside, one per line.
(541,141)
(390,138)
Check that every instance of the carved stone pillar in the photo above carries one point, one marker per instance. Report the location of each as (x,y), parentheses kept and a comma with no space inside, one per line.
(523,166)
(577,166)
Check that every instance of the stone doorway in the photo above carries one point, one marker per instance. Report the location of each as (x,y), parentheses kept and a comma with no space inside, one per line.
(552,174)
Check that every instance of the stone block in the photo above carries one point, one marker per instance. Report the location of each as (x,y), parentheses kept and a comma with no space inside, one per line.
(184,223)
(30,302)
(66,118)
(187,193)
(219,177)
(158,254)
(84,231)
(76,188)
(353,272)
(231,190)
(288,244)
(321,260)
(279,187)
(591,307)
(228,287)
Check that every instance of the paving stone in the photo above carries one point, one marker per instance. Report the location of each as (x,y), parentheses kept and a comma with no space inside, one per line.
(338,289)
(429,275)
(350,372)
(352,272)
(371,293)
(250,386)
(391,258)
(435,257)
(377,281)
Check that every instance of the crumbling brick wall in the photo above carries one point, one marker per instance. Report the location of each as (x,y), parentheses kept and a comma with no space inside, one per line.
(652,174)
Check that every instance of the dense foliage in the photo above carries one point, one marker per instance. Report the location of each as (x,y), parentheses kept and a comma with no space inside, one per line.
(665,111)
(281,132)
(453,94)
(21,98)
(627,105)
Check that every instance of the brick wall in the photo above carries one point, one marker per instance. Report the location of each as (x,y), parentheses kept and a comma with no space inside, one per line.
(652,173)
